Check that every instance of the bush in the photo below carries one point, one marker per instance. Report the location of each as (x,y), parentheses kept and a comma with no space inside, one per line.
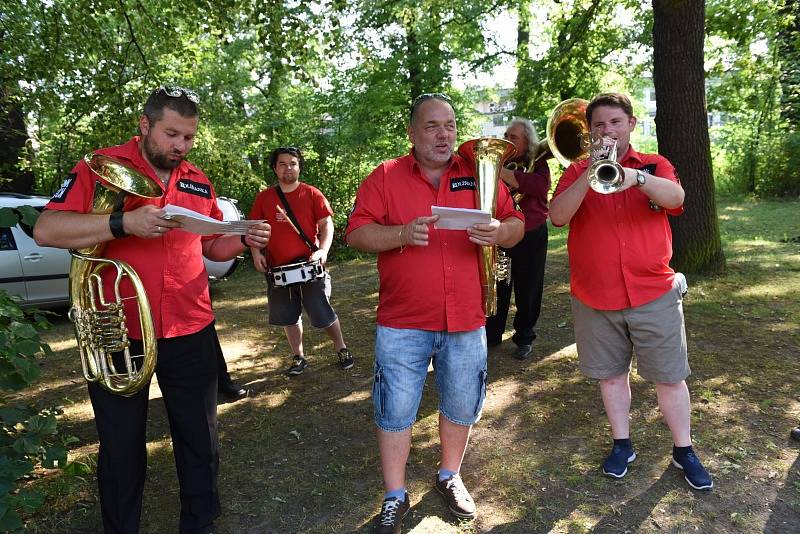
(28,436)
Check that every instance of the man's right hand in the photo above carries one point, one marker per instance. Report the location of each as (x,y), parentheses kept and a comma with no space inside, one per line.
(415,233)
(147,222)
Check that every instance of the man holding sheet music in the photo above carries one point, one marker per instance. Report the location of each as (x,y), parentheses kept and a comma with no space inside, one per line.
(294,261)
(169,262)
(430,304)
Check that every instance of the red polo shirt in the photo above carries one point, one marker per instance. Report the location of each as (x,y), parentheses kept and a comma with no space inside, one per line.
(171,266)
(308,205)
(619,248)
(436,287)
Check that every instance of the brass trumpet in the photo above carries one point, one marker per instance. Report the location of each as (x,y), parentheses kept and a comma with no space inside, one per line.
(487,155)
(570,141)
(100,326)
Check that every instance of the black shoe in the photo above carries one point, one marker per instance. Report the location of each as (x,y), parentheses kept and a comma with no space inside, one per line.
(523,352)
(458,499)
(795,433)
(231,390)
(693,471)
(345,358)
(390,520)
(298,366)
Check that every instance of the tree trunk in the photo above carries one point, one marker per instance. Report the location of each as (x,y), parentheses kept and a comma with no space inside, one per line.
(788,42)
(682,130)
(13,138)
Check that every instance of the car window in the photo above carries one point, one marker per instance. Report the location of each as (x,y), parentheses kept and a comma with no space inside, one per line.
(7,240)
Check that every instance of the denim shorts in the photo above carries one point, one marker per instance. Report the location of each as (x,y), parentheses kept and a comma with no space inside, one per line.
(401,367)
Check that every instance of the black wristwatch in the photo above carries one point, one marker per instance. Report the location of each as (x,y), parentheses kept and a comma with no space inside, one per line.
(115,224)
(641,178)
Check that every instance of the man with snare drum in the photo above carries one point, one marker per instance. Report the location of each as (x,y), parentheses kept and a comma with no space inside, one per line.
(294,259)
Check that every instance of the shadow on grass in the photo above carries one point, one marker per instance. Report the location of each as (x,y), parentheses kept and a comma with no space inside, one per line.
(299,455)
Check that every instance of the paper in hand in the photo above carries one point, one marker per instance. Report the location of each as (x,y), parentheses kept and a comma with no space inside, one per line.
(459,218)
(200,224)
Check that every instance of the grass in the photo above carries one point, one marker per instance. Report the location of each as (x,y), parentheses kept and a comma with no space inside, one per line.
(299,455)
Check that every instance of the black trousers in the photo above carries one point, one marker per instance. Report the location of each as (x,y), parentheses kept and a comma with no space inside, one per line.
(528,258)
(187,375)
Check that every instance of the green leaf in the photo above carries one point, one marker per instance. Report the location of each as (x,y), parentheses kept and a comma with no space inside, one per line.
(8,218)
(27,347)
(29,500)
(55,456)
(29,214)
(24,330)
(77,468)
(10,520)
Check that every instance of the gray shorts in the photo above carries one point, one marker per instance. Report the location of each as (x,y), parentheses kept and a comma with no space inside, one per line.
(286,303)
(655,331)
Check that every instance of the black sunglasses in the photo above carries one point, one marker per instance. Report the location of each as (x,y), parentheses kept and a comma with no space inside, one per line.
(176,92)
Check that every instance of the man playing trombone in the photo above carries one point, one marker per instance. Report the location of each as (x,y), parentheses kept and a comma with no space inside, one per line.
(625,296)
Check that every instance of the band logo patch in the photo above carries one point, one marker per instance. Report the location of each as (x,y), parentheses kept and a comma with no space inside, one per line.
(462,183)
(66,185)
(194,188)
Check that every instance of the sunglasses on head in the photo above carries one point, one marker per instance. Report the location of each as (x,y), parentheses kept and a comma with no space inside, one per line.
(427,96)
(176,92)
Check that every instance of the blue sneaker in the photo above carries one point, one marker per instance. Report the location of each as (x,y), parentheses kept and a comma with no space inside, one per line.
(616,465)
(693,471)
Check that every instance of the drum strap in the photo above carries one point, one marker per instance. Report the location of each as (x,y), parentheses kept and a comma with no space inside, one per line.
(295,224)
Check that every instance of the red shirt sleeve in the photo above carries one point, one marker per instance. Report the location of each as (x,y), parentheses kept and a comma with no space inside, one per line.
(322,208)
(370,205)
(76,192)
(665,169)
(505,206)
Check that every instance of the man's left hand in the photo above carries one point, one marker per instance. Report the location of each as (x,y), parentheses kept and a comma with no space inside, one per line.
(485,234)
(257,236)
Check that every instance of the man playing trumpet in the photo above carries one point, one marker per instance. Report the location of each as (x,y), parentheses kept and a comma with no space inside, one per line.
(430,302)
(625,296)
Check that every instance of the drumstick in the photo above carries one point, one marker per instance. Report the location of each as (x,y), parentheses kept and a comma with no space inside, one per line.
(283,212)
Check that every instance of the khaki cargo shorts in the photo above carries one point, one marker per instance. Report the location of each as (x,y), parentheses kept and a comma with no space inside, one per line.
(655,332)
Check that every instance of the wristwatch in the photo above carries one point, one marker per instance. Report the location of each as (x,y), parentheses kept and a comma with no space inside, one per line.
(641,178)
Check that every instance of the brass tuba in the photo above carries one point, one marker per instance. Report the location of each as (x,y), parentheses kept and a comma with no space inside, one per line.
(100,326)
(487,154)
(570,141)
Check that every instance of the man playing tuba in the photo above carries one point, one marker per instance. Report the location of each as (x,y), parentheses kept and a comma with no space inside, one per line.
(169,263)
(530,179)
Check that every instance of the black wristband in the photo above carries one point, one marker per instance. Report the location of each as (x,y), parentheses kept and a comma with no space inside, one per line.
(115,224)
(243,237)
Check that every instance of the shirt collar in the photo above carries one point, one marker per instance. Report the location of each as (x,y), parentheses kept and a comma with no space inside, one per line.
(415,167)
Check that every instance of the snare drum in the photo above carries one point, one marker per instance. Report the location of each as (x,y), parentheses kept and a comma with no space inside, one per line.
(222,269)
(296,273)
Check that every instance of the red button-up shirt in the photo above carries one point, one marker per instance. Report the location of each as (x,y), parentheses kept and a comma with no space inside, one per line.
(437,287)
(619,248)
(171,266)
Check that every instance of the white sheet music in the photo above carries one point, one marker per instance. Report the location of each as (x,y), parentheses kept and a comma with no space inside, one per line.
(200,224)
(459,218)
